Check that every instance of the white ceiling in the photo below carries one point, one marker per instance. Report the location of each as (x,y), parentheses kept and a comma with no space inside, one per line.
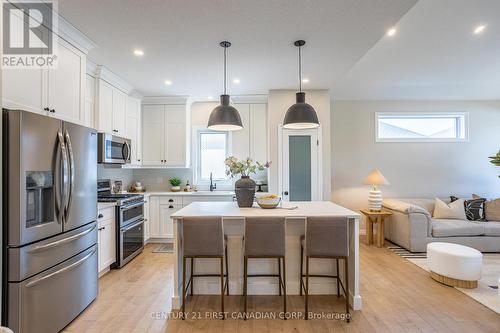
(180,41)
(434,55)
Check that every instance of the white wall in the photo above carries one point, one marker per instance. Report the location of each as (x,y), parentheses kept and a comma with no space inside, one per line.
(413,169)
(278,103)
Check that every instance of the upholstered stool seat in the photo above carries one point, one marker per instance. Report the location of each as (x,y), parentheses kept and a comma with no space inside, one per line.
(325,238)
(202,238)
(265,239)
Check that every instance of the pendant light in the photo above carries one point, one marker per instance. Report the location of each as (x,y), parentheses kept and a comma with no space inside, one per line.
(300,115)
(225,117)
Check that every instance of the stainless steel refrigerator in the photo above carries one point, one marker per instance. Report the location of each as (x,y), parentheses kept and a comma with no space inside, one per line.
(49,221)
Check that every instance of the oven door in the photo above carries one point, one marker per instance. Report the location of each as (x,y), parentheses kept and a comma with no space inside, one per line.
(113,149)
(131,213)
(131,241)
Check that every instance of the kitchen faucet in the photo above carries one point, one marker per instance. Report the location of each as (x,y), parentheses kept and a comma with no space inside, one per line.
(212,186)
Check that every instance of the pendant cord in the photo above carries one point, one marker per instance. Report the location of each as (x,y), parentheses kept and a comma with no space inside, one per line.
(225,70)
(300,69)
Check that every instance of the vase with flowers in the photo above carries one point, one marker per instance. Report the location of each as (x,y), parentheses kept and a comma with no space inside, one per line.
(245,186)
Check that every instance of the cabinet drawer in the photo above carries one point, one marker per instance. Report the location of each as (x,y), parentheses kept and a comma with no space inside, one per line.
(173,200)
(106,214)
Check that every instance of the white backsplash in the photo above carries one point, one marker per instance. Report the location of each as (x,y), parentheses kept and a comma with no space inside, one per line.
(116,173)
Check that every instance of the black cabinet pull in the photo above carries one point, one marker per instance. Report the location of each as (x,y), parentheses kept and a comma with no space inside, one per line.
(100,216)
(53,110)
(170,200)
(46,109)
(116,131)
(170,206)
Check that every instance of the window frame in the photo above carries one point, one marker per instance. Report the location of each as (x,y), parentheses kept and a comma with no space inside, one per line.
(222,183)
(463,121)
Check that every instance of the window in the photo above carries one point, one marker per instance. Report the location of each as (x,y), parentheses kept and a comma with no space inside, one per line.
(212,151)
(421,127)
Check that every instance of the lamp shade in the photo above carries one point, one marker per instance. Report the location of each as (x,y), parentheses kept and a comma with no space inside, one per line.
(375,177)
(301,115)
(225,117)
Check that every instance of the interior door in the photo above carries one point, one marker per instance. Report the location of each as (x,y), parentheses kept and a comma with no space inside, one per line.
(82,200)
(35,177)
(300,167)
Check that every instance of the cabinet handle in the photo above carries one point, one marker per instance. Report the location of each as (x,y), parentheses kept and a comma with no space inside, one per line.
(46,109)
(170,206)
(116,131)
(100,216)
(170,200)
(138,160)
(53,110)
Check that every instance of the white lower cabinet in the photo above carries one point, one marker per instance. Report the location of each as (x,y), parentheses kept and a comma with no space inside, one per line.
(106,238)
(161,207)
(146,219)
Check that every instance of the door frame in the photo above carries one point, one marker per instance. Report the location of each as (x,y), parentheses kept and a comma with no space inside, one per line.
(315,195)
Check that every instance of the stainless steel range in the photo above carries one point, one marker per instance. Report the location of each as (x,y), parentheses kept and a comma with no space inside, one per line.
(129,216)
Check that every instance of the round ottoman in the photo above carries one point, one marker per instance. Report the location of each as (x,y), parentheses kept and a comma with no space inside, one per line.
(454,265)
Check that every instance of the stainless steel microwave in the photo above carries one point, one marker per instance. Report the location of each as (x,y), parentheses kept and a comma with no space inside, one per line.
(113,149)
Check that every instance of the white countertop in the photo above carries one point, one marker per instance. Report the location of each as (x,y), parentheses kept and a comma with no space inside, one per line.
(231,209)
(182,193)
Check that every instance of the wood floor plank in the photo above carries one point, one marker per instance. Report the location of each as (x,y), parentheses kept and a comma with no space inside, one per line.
(397,297)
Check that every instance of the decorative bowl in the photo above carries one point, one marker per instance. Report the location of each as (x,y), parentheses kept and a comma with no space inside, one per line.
(268,201)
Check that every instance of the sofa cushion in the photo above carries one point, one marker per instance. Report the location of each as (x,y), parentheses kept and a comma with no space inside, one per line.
(492,209)
(492,229)
(452,228)
(453,210)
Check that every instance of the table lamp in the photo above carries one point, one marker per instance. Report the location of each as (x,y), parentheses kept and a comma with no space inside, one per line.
(375,178)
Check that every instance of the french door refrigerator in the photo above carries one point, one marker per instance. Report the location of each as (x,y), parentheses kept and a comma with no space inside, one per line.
(49,241)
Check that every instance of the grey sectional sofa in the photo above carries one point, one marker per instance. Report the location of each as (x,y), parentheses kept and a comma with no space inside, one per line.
(412,227)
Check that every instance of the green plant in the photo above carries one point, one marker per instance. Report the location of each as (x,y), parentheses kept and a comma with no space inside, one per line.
(174,181)
(244,167)
(495,159)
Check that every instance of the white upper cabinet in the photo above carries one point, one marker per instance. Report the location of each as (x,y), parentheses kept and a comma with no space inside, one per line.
(258,132)
(66,84)
(153,134)
(133,128)
(58,92)
(88,117)
(119,112)
(165,131)
(251,141)
(111,111)
(241,138)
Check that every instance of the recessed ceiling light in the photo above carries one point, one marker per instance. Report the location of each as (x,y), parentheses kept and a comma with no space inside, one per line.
(391,32)
(210,97)
(305,80)
(236,81)
(479,29)
(168,82)
(138,52)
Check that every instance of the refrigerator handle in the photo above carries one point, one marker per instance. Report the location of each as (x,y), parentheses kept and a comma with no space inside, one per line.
(61,175)
(71,175)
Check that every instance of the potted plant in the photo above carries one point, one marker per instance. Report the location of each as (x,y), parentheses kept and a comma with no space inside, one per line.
(176,184)
(244,187)
(495,159)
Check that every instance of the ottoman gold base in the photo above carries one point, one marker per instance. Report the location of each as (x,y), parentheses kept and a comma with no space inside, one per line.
(453,282)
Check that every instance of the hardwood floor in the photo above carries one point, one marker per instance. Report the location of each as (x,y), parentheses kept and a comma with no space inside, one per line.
(397,297)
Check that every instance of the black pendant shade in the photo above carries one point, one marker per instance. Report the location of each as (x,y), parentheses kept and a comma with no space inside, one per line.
(300,115)
(224,117)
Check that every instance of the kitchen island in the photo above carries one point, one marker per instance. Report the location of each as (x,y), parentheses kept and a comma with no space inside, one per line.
(233,224)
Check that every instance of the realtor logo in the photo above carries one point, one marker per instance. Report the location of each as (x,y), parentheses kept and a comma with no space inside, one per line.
(28,34)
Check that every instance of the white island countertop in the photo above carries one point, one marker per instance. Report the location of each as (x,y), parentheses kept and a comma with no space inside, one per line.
(199,193)
(234,227)
(231,209)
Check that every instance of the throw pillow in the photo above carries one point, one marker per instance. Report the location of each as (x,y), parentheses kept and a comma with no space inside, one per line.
(492,210)
(474,208)
(454,210)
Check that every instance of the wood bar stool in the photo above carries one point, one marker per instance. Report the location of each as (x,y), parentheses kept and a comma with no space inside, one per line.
(265,239)
(203,238)
(325,238)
